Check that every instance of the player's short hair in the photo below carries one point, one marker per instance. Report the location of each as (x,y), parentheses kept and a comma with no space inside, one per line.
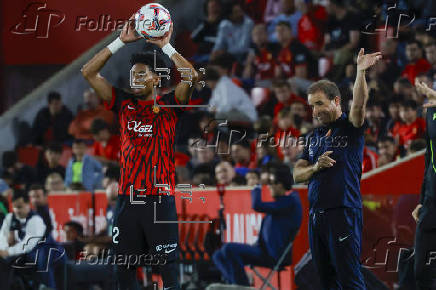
(284,23)
(330,89)
(53,96)
(76,226)
(412,104)
(147,58)
(19,193)
(283,175)
(37,186)
(54,147)
(98,125)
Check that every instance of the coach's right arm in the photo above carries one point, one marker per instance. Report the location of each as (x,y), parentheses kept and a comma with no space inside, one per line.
(91,70)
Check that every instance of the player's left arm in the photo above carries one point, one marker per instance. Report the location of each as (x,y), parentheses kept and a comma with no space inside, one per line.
(185,88)
(360,89)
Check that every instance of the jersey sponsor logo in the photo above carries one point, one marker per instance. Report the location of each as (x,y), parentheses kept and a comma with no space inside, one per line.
(144,130)
(166,247)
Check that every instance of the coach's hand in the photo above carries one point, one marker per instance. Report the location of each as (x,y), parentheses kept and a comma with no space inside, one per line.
(415,212)
(324,161)
(365,61)
(164,40)
(128,34)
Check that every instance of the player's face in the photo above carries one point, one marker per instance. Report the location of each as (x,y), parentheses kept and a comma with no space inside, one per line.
(37,197)
(142,75)
(21,209)
(324,109)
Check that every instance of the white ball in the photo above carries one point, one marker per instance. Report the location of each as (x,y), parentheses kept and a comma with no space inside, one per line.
(152,21)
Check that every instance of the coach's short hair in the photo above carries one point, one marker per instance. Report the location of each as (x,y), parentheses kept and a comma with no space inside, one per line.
(330,89)
(147,58)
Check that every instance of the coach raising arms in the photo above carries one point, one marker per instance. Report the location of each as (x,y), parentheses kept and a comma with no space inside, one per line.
(332,163)
(425,212)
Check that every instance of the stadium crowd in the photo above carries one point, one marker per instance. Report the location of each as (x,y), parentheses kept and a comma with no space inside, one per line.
(259,59)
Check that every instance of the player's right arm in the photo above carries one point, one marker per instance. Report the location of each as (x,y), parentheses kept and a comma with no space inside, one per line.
(303,170)
(91,70)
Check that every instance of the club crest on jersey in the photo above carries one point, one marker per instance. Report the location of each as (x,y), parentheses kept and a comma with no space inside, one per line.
(144,130)
(156,109)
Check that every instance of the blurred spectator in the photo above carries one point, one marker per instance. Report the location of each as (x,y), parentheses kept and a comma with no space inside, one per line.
(369,161)
(80,128)
(242,156)
(311,25)
(206,32)
(111,175)
(73,235)
(252,177)
(402,86)
(293,58)
(299,115)
(225,174)
(51,123)
(272,10)
(39,201)
(284,96)
(376,122)
(228,101)
(260,63)
(430,54)
(49,162)
(83,169)
(411,127)
(387,151)
(54,182)
(265,153)
(106,146)
(21,175)
(286,128)
(394,113)
(288,14)
(203,171)
(291,151)
(341,39)
(417,64)
(416,145)
(234,35)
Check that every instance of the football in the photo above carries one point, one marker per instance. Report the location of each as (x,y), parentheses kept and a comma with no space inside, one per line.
(152,21)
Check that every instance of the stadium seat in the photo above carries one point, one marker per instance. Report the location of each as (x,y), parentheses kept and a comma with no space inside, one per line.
(28,155)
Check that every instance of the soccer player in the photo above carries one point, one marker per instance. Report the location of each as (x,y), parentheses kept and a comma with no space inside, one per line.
(332,163)
(425,212)
(147,158)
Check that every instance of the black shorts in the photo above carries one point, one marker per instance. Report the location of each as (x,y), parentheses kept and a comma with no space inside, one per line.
(148,231)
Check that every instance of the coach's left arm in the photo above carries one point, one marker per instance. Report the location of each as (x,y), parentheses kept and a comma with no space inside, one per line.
(360,89)
(184,89)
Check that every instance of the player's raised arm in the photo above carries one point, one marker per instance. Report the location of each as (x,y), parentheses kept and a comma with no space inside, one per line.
(360,89)
(91,70)
(183,90)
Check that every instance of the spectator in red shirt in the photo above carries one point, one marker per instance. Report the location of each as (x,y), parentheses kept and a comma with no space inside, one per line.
(369,160)
(260,62)
(106,146)
(417,64)
(286,129)
(375,119)
(293,59)
(284,97)
(80,128)
(387,150)
(411,127)
(311,25)
(243,157)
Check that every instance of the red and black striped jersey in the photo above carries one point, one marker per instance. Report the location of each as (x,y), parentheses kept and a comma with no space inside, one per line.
(147,135)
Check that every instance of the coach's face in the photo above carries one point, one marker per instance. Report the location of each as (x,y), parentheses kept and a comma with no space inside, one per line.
(324,109)
(141,74)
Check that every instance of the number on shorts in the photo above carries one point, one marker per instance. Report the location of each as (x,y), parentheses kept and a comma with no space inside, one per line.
(115,233)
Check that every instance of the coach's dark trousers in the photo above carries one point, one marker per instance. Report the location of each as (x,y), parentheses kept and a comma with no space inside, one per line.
(425,247)
(335,243)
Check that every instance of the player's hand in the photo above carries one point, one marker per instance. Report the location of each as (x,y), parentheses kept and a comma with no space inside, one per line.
(415,212)
(365,61)
(423,89)
(164,40)
(4,253)
(128,34)
(324,161)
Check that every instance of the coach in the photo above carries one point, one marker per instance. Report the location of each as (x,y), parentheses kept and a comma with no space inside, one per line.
(332,163)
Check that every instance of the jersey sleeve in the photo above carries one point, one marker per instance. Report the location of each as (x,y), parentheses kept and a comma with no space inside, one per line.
(305,154)
(170,99)
(114,104)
